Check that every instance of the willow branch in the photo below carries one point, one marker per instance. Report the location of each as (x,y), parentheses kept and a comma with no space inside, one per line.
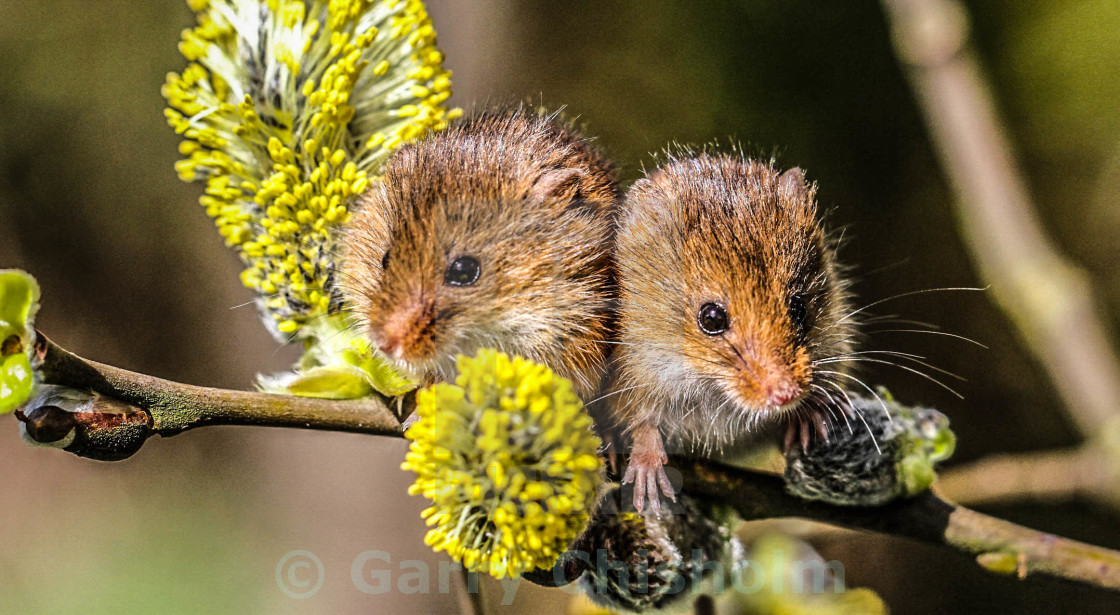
(998,545)
(1046,296)
(1086,471)
(168,408)
(132,407)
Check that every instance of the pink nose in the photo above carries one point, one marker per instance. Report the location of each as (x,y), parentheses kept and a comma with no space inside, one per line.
(390,346)
(782,392)
(406,330)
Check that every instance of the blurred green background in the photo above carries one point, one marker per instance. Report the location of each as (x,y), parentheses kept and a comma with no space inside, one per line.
(134,274)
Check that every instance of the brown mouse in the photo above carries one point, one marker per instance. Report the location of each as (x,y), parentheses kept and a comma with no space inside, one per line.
(731,307)
(497,232)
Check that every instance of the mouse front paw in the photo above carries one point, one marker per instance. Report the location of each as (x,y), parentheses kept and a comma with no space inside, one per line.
(647,472)
(804,429)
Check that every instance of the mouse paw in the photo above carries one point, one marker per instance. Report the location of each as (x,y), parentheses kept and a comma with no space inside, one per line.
(802,428)
(647,472)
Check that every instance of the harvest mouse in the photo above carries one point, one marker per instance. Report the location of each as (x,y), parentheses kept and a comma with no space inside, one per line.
(731,307)
(497,232)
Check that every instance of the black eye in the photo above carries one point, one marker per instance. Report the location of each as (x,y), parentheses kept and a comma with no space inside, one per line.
(463,271)
(385,261)
(713,318)
(798,312)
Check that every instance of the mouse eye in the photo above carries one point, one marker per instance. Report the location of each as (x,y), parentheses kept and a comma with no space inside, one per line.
(713,318)
(798,311)
(385,261)
(463,271)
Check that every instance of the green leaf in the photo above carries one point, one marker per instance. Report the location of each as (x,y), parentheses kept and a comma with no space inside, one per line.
(338,363)
(331,383)
(381,374)
(19,300)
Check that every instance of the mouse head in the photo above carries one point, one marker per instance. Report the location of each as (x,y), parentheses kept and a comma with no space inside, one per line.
(729,284)
(495,233)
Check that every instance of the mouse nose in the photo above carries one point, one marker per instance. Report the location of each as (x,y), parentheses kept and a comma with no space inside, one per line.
(772,378)
(781,391)
(408,329)
(390,347)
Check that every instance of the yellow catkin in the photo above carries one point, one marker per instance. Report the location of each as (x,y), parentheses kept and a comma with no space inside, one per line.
(282,162)
(507,456)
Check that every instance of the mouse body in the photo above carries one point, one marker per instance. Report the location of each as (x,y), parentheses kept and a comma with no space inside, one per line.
(732,311)
(497,232)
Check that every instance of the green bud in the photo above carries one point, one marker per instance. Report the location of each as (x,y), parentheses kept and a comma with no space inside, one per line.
(19,300)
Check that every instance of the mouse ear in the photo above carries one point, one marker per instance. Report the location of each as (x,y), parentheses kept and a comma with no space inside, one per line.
(792,182)
(555,183)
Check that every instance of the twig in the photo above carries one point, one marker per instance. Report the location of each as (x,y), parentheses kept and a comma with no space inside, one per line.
(1046,296)
(165,408)
(470,596)
(999,545)
(1044,476)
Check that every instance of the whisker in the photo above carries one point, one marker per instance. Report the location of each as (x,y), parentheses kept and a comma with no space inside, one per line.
(952,335)
(601,397)
(855,410)
(913,359)
(843,414)
(906,294)
(744,361)
(896,353)
(896,319)
(859,414)
(863,384)
(909,369)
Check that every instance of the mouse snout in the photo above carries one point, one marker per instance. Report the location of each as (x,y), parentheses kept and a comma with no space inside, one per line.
(769,379)
(781,390)
(406,333)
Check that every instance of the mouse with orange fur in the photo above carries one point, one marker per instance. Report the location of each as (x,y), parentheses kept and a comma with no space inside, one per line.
(732,306)
(497,232)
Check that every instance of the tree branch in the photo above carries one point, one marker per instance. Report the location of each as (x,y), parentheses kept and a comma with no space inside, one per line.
(1047,297)
(1000,546)
(172,408)
(1045,476)
(153,406)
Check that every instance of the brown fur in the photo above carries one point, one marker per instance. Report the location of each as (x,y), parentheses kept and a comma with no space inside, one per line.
(723,229)
(530,199)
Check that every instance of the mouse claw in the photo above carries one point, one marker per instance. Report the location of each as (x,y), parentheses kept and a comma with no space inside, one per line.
(653,495)
(650,483)
(666,486)
(802,430)
(410,421)
(821,423)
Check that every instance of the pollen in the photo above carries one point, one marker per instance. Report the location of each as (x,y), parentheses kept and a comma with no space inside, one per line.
(286,133)
(507,456)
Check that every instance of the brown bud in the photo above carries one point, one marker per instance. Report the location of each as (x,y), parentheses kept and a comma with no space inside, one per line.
(47,424)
